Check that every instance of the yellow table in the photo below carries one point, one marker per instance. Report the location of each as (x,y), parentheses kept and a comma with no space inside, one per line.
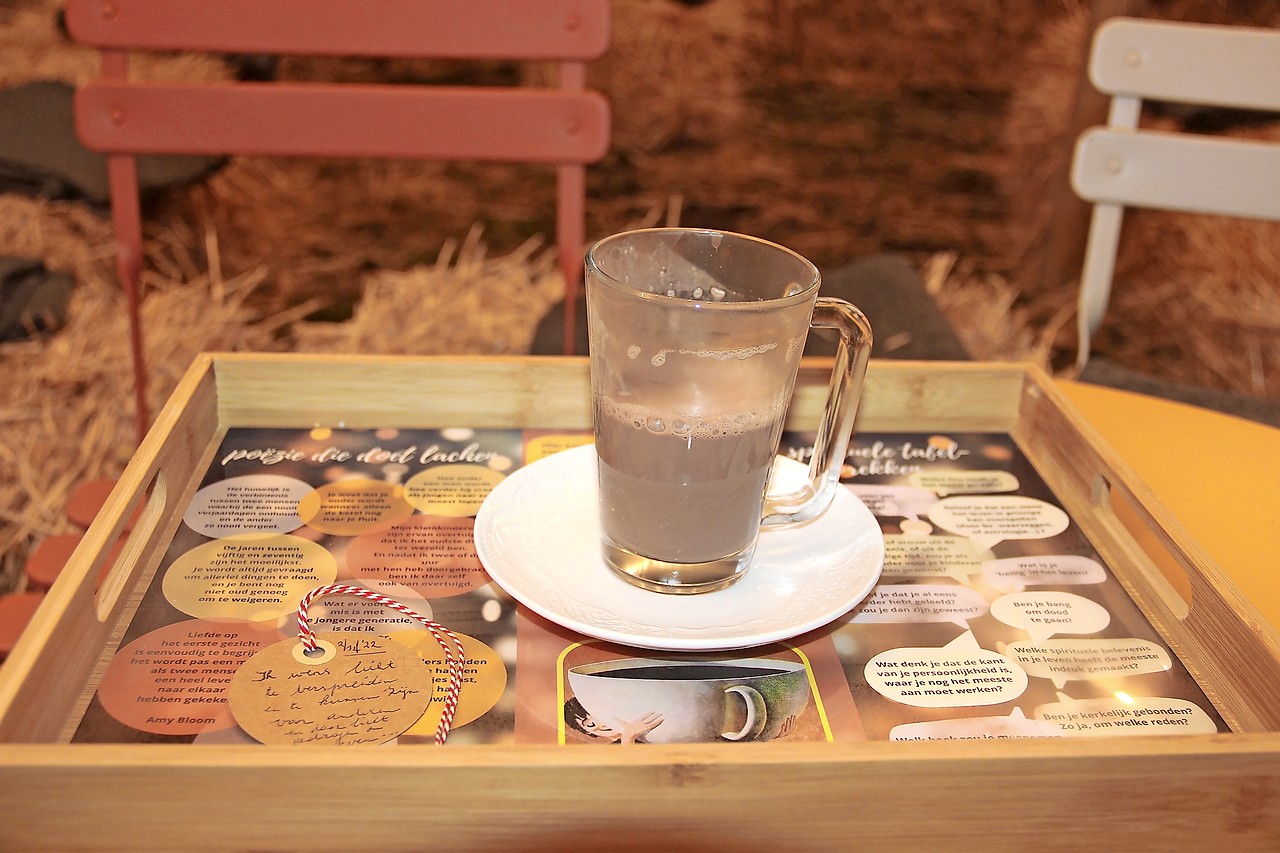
(1219,475)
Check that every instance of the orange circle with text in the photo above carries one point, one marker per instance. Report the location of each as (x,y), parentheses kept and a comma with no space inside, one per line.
(354,506)
(174,680)
(484,678)
(433,555)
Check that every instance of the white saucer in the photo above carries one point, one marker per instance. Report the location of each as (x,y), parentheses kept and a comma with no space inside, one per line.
(538,535)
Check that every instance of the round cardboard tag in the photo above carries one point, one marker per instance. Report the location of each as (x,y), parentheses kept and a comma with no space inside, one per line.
(354,689)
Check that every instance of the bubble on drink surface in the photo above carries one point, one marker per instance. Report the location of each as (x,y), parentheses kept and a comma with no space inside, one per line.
(793,288)
(633,351)
(655,424)
(659,359)
(697,293)
(717,293)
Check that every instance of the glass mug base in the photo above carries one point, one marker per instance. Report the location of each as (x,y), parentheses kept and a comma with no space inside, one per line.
(681,578)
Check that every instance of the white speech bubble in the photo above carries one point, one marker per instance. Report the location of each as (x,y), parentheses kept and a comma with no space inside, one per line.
(894,501)
(1132,715)
(930,557)
(964,482)
(1045,613)
(991,519)
(921,603)
(1061,661)
(254,503)
(1051,570)
(1013,727)
(960,674)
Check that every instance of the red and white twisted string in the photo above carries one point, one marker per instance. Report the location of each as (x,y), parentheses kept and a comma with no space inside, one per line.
(441,634)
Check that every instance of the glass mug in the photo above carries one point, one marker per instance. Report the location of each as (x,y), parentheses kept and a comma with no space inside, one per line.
(695,343)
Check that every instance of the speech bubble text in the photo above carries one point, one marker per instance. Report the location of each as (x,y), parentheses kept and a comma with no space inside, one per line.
(1052,570)
(1016,726)
(989,519)
(542,446)
(434,555)
(959,674)
(453,490)
(929,557)
(354,506)
(255,503)
(484,679)
(921,603)
(348,614)
(893,501)
(1066,660)
(1045,613)
(256,578)
(944,483)
(1132,715)
(174,680)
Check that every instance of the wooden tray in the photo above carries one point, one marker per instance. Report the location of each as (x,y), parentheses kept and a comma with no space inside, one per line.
(1148,792)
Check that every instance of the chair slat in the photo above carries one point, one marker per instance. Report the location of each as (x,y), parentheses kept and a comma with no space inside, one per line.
(465,123)
(1224,66)
(466,29)
(1231,177)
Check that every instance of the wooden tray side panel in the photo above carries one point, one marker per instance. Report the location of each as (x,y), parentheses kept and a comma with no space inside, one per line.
(899,395)
(43,679)
(1155,793)
(1222,639)
(361,391)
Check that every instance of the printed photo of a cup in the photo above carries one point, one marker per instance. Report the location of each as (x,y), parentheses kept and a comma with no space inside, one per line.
(643,700)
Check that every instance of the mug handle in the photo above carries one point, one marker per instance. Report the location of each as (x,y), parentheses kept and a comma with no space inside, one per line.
(757,715)
(832,442)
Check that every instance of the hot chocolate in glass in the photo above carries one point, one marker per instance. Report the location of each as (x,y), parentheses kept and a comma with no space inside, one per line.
(695,340)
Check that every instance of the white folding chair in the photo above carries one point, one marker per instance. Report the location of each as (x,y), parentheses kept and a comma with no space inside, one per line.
(1122,165)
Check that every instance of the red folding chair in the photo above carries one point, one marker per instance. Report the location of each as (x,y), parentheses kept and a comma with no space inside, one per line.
(567,126)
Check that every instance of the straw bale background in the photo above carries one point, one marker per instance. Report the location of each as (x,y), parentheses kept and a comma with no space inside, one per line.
(932,130)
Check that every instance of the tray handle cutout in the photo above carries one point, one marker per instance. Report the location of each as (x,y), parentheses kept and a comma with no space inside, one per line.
(123,555)
(1170,580)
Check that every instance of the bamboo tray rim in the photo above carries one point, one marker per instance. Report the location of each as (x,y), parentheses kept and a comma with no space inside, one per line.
(1060,793)
(47,620)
